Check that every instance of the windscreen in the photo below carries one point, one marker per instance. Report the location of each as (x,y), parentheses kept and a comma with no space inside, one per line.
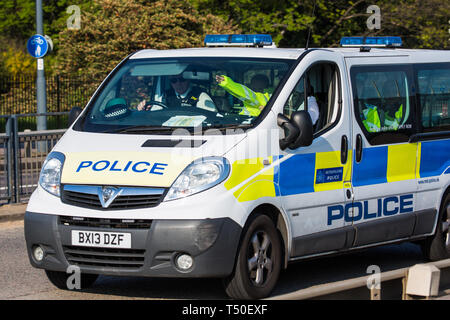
(151,95)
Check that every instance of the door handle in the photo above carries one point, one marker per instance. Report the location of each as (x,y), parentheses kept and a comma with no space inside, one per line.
(344,149)
(359,148)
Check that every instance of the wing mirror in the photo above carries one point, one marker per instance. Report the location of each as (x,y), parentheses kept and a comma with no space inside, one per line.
(298,130)
(73,115)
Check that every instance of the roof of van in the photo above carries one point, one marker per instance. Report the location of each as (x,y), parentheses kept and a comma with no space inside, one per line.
(220,52)
(415,55)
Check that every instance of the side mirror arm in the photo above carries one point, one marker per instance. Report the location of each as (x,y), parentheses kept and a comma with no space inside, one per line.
(291,129)
(73,115)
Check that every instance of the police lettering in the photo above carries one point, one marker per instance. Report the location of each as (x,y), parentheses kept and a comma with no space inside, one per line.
(355,211)
(125,166)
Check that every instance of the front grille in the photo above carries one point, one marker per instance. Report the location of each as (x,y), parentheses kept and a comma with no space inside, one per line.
(131,198)
(105,223)
(102,257)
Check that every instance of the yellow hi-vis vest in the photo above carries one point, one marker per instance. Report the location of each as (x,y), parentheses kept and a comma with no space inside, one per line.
(373,123)
(252,100)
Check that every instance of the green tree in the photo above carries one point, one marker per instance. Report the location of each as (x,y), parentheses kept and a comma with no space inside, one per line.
(421,23)
(111,30)
(280,18)
(18,17)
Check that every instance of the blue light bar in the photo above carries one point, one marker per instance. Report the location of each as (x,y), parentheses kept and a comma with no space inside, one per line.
(238,40)
(371,41)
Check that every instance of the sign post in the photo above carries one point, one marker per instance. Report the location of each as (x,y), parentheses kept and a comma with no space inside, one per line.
(40,50)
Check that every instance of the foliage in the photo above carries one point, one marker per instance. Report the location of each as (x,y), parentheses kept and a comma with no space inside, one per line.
(422,23)
(17,17)
(18,63)
(111,30)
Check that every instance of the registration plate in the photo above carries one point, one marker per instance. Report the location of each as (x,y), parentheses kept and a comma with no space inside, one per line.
(101,239)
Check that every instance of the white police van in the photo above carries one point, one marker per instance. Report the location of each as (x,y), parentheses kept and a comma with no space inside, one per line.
(142,184)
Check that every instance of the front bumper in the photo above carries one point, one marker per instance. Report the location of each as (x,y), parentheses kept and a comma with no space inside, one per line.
(212,243)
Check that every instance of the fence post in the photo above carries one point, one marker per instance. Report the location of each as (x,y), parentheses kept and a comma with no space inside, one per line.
(16,158)
(58,98)
(8,156)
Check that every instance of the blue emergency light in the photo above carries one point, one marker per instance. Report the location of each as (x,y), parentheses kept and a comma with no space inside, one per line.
(257,40)
(371,41)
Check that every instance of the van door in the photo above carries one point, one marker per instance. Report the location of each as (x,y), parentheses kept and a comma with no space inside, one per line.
(384,162)
(311,179)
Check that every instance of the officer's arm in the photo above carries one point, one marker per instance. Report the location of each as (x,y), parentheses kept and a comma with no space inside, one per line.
(239,91)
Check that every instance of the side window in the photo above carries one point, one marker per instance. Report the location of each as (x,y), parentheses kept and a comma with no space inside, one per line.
(383,103)
(434,96)
(296,101)
(318,87)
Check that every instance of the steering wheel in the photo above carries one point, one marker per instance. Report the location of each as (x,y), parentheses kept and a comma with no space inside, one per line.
(151,103)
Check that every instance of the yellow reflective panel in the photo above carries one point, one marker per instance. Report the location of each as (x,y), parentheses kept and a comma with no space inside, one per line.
(401,162)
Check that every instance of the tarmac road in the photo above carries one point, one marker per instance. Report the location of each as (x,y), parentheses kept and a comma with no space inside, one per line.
(18,280)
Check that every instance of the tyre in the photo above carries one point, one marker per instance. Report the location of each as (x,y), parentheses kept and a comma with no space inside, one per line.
(438,246)
(59,279)
(258,263)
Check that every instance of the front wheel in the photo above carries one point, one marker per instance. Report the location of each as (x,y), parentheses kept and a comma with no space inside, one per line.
(258,263)
(438,246)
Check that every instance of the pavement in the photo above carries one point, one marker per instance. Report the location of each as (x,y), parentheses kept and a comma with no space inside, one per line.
(12,212)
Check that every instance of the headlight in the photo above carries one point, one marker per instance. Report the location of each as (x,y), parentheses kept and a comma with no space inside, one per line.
(50,177)
(199,176)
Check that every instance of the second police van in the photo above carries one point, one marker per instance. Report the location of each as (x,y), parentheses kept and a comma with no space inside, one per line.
(232,162)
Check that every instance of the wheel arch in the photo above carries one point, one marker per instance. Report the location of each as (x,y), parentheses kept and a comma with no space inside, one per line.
(280,223)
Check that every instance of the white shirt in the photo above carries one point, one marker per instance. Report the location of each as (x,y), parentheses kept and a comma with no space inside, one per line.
(313,109)
(204,100)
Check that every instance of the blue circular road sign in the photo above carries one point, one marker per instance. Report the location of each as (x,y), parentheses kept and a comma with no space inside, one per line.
(37,46)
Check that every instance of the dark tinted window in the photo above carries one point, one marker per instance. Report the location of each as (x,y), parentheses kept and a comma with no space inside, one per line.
(384,103)
(434,96)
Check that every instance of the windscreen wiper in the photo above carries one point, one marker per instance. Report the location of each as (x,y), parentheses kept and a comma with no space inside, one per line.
(229,126)
(146,129)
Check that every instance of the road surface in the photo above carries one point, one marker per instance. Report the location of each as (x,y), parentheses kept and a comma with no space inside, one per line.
(18,280)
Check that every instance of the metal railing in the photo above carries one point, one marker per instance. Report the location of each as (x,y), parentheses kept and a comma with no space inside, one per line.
(329,289)
(18,94)
(22,155)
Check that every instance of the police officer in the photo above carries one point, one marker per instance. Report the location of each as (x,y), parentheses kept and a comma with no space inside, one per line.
(183,94)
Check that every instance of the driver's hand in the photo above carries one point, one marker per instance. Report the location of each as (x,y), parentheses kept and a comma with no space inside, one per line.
(141,105)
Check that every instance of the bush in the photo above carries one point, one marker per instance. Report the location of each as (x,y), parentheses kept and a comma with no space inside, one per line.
(17,63)
(112,29)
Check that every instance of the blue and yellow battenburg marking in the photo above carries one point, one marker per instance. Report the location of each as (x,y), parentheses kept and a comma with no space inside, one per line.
(300,173)
(402,162)
(261,185)
(322,171)
(434,158)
